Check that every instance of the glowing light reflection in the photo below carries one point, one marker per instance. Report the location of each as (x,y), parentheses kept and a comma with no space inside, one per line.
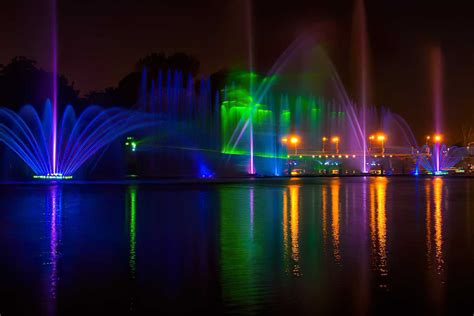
(324,210)
(381,187)
(54,210)
(294,218)
(285,223)
(335,210)
(438,222)
(132,193)
(378,228)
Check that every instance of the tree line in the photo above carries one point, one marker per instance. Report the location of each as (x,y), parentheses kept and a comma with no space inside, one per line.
(23,82)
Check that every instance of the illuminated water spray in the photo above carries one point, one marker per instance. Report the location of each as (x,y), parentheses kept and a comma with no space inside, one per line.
(54,56)
(251,83)
(55,148)
(436,70)
(361,51)
(438,158)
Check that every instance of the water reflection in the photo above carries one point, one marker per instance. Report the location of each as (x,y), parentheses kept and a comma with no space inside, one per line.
(438,222)
(252,205)
(324,211)
(291,227)
(294,219)
(314,246)
(285,228)
(378,227)
(434,224)
(238,248)
(132,209)
(53,211)
(335,210)
(428,222)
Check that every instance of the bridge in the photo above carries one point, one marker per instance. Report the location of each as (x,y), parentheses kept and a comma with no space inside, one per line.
(378,161)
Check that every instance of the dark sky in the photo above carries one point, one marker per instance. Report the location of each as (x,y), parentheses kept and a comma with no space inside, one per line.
(99,42)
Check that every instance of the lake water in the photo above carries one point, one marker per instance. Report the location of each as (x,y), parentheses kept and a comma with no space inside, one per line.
(313,245)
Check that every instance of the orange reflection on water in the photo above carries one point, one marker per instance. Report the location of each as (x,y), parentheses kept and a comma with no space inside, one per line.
(381,187)
(294,218)
(324,210)
(335,210)
(292,230)
(438,221)
(434,222)
(378,225)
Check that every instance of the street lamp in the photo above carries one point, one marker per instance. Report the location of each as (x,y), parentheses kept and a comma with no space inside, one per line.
(325,139)
(295,140)
(438,138)
(381,139)
(371,139)
(336,140)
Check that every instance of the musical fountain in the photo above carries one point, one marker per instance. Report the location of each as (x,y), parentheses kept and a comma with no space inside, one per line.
(58,154)
(249,124)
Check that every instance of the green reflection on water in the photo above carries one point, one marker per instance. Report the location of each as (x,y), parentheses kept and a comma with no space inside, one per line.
(132,206)
(238,248)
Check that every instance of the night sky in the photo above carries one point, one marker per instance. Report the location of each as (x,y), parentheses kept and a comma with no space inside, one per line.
(99,42)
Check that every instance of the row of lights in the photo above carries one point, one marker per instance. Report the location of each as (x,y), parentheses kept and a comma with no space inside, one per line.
(341,156)
(295,140)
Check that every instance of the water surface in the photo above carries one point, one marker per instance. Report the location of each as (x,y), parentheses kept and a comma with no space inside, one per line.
(314,245)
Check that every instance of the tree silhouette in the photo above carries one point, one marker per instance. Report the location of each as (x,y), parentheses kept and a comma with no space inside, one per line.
(21,82)
(155,62)
(127,91)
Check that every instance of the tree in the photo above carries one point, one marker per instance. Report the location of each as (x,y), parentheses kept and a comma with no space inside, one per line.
(127,91)
(21,82)
(155,62)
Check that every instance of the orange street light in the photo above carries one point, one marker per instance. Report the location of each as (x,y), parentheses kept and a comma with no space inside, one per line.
(336,140)
(295,140)
(428,139)
(371,140)
(325,139)
(381,139)
(437,138)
